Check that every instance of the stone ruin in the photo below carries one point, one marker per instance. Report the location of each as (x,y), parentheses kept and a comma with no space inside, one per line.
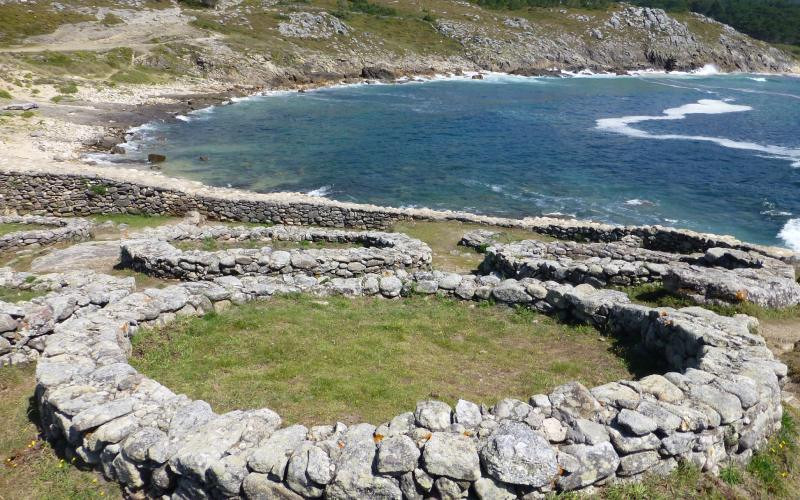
(73,229)
(718,401)
(716,276)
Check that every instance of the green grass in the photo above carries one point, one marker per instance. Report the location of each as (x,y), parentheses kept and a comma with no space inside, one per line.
(5,94)
(369,359)
(443,238)
(135,222)
(111,20)
(68,88)
(13,227)
(22,20)
(30,469)
(137,76)
(654,295)
(14,295)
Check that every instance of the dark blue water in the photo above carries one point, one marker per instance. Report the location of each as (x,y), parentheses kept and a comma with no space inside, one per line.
(521,146)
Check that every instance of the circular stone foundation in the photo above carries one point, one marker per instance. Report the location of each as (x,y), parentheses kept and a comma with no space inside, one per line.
(366,359)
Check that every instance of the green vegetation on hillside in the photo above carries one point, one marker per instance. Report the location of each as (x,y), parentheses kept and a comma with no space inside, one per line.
(776,21)
(21,20)
(770,20)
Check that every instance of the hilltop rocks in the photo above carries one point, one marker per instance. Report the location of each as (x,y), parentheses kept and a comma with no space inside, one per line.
(312,25)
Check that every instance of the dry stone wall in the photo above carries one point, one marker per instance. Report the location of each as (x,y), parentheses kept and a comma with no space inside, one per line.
(72,229)
(719,403)
(153,253)
(720,275)
(80,195)
(23,326)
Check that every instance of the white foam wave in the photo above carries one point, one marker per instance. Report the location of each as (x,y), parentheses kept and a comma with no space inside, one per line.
(708,69)
(320,192)
(757,79)
(183,118)
(790,234)
(622,125)
(636,202)
(776,213)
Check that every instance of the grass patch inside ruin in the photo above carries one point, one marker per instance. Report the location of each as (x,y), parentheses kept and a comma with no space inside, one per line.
(655,295)
(30,469)
(135,222)
(14,295)
(368,359)
(13,227)
(443,238)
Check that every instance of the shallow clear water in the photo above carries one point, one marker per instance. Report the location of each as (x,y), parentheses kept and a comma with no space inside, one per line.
(721,155)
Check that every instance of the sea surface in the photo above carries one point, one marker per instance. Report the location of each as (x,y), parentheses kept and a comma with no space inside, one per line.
(716,153)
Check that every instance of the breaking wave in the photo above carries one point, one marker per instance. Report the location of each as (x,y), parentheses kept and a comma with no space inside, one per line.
(790,234)
(622,125)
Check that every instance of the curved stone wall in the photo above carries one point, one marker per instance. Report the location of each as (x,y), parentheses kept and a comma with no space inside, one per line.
(720,275)
(720,402)
(381,252)
(70,229)
(23,326)
(78,195)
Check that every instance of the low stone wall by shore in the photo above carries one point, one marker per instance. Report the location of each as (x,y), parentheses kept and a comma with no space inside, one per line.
(62,229)
(152,252)
(79,195)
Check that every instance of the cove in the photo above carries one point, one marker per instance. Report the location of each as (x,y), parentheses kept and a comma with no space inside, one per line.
(716,153)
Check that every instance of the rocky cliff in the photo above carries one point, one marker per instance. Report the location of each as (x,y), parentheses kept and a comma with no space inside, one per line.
(270,42)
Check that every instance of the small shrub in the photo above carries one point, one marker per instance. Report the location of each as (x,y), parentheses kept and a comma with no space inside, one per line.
(98,189)
(28,114)
(731,475)
(428,17)
(68,88)
(57,98)
(4,94)
(111,20)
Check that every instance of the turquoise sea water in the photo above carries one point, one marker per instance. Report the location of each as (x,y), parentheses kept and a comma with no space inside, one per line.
(718,153)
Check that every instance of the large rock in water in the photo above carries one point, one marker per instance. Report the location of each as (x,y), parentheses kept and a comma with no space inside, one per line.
(515,454)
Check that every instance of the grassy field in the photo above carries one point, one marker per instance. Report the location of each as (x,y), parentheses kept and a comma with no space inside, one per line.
(135,222)
(14,295)
(443,238)
(8,228)
(364,359)
(31,469)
